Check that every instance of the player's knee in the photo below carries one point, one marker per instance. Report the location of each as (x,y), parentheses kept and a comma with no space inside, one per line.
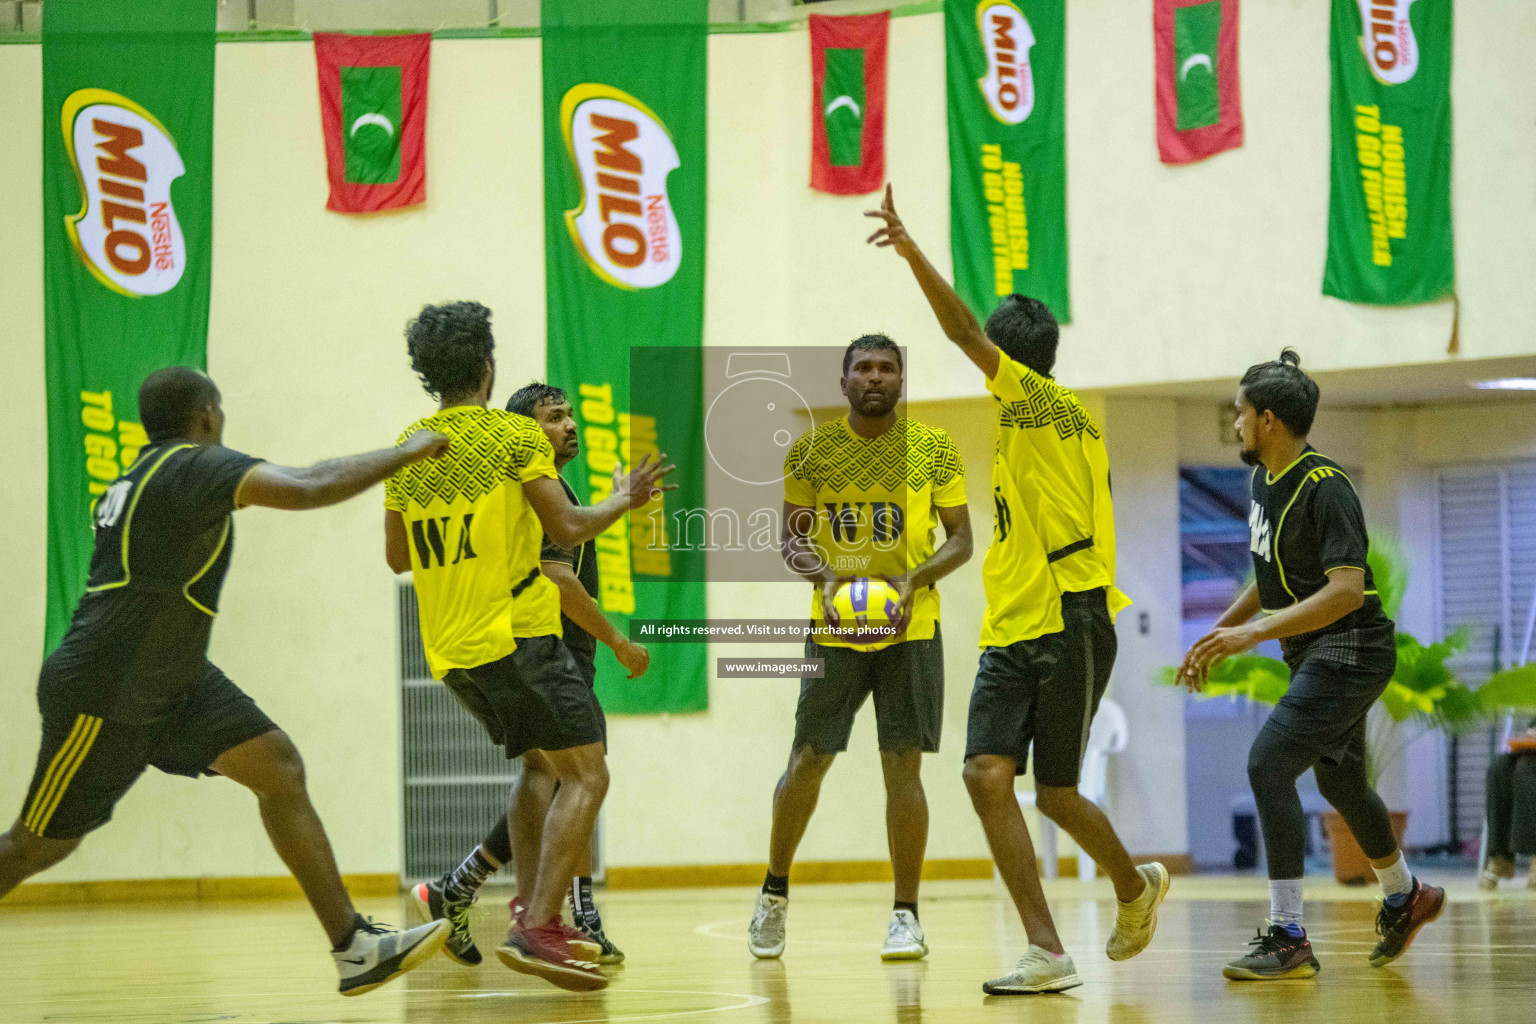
(805,765)
(902,767)
(593,777)
(1059,803)
(989,781)
(283,772)
(26,854)
(1260,771)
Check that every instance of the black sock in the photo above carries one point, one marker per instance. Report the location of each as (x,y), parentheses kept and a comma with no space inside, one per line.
(357,922)
(776,885)
(912,907)
(583,907)
(465,880)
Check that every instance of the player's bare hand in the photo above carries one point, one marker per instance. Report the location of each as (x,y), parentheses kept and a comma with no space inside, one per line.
(894,233)
(425,444)
(635,658)
(906,594)
(1214,648)
(643,483)
(828,604)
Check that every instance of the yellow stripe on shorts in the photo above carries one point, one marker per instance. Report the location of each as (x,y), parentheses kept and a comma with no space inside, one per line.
(60,771)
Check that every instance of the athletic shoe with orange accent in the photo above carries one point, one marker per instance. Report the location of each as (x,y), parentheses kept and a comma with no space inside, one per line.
(1398,925)
(581,943)
(545,953)
(433,905)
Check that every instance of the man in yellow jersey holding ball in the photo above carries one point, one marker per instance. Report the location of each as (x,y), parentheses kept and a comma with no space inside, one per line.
(862,497)
(1049,637)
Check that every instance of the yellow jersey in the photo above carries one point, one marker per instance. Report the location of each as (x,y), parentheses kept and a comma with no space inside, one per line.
(1051,449)
(473,537)
(874,500)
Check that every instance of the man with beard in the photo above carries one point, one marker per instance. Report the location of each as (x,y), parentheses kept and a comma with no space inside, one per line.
(574,572)
(885,482)
(1314,585)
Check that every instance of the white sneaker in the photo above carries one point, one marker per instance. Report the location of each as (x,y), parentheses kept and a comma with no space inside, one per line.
(1136,921)
(765,937)
(379,953)
(1037,971)
(904,938)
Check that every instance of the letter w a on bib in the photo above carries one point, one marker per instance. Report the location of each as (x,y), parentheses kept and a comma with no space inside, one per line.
(848,102)
(373,111)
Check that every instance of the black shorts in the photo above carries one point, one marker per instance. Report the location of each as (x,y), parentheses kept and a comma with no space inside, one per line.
(907,679)
(1325,706)
(536,698)
(1045,692)
(93,753)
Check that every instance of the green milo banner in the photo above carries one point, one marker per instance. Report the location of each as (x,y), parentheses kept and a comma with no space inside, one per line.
(127,230)
(1389,206)
(624,177)
(1005,71)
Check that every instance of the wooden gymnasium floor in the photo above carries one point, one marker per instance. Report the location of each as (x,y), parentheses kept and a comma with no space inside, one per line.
(266,962)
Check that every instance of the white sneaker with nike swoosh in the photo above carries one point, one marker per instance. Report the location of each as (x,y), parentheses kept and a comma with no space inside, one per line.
(379,953)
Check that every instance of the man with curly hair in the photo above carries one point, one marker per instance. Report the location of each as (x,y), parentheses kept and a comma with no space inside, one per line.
(470,528)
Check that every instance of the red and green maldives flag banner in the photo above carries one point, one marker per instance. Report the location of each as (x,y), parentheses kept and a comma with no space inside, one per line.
(1005,63)
(1199,103)
(848,102)
(127,237)
(624,190)
(373,111)
(1389,206)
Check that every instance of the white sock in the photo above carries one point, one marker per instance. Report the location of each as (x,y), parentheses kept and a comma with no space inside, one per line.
(1395,878)
(1285,901)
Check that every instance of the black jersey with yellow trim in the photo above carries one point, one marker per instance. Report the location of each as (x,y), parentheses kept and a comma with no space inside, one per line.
(1302,525)
(164,538)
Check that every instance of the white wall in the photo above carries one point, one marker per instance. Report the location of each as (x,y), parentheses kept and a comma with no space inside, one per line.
(1177,273)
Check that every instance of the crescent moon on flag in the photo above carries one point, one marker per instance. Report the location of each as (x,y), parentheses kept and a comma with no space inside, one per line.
(844,101)
(378,119)
(1194,60)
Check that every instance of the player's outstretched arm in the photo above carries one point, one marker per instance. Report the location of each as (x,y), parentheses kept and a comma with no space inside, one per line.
(334,480)
(954,316)
(569,525)
(582,610)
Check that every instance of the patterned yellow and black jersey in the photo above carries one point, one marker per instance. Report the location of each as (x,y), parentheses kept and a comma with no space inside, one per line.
(1051,469)
(875,500)
(474,539)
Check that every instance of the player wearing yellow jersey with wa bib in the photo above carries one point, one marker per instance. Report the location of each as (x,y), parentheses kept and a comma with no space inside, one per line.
(470,528)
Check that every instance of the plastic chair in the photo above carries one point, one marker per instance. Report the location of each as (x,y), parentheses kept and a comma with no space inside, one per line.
(1109,734)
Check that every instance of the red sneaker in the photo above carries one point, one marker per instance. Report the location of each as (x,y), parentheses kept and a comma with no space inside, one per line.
(545,953)
(580,942)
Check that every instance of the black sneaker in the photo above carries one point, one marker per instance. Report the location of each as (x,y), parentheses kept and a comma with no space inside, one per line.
(432,905)
(1276,954)
(1398,925)
(610,953)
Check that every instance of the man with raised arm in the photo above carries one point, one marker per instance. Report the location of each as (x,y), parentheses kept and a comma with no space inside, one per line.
(131,686)
(1048,638)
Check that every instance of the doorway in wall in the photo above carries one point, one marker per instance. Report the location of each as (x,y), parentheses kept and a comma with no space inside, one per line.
(1216,566)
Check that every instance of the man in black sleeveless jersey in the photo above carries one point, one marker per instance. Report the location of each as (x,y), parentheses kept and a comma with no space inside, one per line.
(131,686)
(1313,584)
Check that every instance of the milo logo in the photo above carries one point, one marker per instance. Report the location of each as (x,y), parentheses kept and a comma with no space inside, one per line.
(625,227)
(126,231)
(1387,40)
(1006,37)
